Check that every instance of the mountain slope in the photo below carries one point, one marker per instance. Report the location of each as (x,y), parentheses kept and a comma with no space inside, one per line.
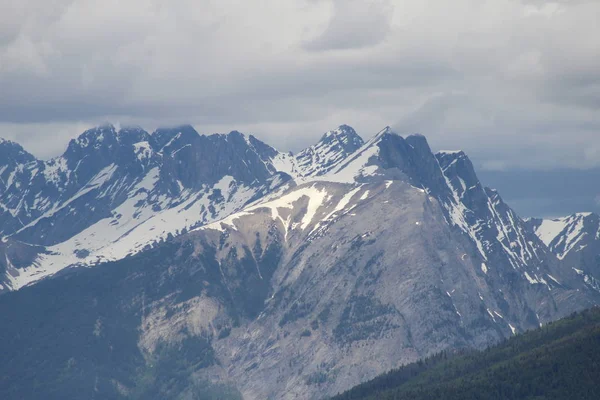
(558,361)
(575,240)
(115,193)
(393,254)
(333,147)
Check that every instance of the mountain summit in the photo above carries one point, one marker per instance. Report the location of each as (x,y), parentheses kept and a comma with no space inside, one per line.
(334,146)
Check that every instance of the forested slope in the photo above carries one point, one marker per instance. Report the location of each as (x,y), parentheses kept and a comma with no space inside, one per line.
(558,361)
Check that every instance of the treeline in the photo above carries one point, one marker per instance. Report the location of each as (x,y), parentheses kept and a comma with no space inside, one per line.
(558,361)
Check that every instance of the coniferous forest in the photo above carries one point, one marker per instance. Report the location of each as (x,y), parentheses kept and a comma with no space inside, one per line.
(560,360)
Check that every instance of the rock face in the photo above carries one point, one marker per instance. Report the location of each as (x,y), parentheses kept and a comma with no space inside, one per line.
(575,240)
(112,193)
(300,276)
(333,147)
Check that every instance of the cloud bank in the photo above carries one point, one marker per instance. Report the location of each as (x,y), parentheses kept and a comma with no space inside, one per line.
(513,82)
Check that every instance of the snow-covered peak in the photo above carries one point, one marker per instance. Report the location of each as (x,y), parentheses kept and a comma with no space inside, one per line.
(345,135)
(461,175)
(568,234)
(334,146)
(265,151)
(388,155)
(96,137)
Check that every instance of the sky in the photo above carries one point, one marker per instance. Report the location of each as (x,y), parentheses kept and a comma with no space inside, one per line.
(515,83)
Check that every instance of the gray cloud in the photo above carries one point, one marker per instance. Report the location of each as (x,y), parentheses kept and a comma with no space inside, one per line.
(355,24)
(511,82)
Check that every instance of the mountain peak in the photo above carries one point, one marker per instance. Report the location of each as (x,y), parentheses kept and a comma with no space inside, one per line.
(387,130)
(163,137)
(574,236)
(345,135)
(91,151)
(450,152)
(96,137)
(13,152)
(335,145)
(132,134)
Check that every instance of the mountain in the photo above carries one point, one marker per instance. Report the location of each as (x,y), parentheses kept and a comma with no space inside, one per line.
(333,147)
(113,193)
(575,240)
(316,160)
(558,361)
(301,281)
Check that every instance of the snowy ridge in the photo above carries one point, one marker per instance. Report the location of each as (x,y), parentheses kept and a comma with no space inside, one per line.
(359,164)
(113,194)
(314,195)
(133,228)
(567,235)
(307,209)
(333,147)
(317,161)
(498,233)
(134,199)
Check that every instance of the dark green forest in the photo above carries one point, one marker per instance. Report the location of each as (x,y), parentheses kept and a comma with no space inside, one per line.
(558,361)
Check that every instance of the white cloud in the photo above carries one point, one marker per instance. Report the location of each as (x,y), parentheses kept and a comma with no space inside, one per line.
(500,78)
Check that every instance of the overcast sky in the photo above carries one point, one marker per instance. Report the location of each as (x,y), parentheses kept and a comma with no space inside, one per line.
(513,82)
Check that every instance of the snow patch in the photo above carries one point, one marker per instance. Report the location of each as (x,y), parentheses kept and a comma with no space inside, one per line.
(484,268)
(530,279)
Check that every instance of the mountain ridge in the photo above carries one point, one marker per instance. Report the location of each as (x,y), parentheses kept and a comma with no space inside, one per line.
(119,167)
(288,284)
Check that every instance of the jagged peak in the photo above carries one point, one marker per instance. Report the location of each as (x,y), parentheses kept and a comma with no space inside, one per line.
(385,131)
(333,147)
(10,150)
(131,129)
(244,141)
(566,234)
(9,143)
(236,133)
(265,151)
(344,137)
(571,217)
(451,152)
(233,135)
(345,134)
(95,136)
(446,158)
(129,135)
(174,130)
(163,137)
(418,141)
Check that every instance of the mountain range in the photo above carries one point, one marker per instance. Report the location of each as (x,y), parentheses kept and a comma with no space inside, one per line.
(222,264)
